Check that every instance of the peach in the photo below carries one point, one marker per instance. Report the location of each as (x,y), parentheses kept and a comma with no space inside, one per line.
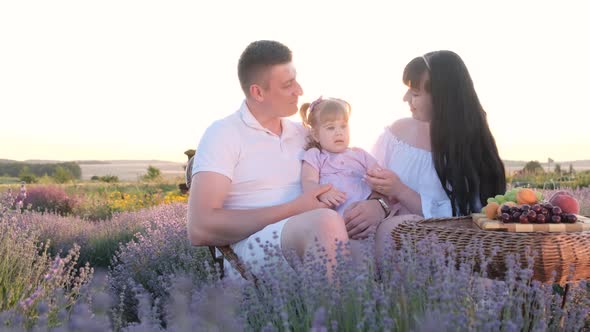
(559,192)
(526,196)
(491,210)
(566,202)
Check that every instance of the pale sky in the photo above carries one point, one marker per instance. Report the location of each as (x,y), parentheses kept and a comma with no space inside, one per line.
(143,79)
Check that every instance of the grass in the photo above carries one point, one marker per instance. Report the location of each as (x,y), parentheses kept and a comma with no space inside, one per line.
(9,180)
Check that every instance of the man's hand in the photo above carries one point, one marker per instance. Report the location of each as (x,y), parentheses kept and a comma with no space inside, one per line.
(384,181)
(362,218)
(309,200)
(332,198)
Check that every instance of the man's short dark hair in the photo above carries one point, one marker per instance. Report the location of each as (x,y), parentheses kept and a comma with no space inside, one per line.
(257,58)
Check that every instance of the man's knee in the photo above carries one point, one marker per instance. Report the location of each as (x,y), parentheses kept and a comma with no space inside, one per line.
(329,224)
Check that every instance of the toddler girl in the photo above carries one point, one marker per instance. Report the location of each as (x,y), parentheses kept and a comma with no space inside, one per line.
(328,159)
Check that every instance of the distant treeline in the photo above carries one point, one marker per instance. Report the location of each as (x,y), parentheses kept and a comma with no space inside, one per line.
(17,169)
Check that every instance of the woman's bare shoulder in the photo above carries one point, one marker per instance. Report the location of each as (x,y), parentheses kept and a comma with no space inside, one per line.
(403,127)
(414,132)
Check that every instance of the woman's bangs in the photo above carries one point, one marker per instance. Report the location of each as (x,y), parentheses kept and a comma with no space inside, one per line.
(413,73)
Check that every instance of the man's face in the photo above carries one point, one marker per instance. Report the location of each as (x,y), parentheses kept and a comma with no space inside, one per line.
(283,90)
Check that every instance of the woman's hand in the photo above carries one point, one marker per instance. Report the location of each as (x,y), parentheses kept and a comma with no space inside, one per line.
(333,198)
(385,182)
(362,218)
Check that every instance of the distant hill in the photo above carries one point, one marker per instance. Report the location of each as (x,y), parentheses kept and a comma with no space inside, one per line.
(579,165)
(115,161)
(130,170)
(126,170)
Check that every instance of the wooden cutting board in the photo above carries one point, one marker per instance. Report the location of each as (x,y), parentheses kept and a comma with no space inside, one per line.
(480,219)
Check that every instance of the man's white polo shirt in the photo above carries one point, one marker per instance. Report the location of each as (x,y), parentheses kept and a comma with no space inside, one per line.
(264,168)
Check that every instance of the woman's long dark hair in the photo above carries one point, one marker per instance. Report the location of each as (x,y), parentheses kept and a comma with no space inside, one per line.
(464,151)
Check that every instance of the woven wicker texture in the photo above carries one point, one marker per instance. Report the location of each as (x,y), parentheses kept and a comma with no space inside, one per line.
(554,251)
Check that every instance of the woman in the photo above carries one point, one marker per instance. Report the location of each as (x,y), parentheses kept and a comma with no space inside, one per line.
(443,161)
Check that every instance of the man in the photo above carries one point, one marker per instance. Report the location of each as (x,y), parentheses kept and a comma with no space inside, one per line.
(246,172)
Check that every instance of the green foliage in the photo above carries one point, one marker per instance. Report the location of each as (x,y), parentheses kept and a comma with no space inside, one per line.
(153,173)
(552,180)
(533,167)
(9,180)
(105,178)
(103,246)
(27,175)
(62,175)
(38,170)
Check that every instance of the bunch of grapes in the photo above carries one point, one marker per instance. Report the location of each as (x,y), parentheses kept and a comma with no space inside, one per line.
(510,196)
(540,213)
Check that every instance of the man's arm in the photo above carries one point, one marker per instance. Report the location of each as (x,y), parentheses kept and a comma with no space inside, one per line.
(210,224)
(310,177)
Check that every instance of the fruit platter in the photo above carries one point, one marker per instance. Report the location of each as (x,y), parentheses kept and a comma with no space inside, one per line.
(526,210)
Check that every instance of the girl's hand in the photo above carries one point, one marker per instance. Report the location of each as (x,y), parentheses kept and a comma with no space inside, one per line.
(332,198)
(384,181)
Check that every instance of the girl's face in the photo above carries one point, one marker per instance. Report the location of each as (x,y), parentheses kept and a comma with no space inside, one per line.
(420,101)
(333,135)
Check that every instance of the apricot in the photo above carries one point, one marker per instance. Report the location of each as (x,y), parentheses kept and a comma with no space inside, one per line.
(566,202)
(491,210)
(526,196)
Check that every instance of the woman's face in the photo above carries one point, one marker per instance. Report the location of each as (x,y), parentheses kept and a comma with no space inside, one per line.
(420,101)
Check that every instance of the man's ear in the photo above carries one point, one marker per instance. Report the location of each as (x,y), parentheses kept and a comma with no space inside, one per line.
(256,92)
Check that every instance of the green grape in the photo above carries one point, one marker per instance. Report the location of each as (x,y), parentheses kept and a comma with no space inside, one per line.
(539,196)
(500,199)
(492,199)
(511,197)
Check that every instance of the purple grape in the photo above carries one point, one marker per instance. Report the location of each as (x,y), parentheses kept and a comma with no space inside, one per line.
(514,209)
(548,206)
(523,219)
(569,218)
(532,216)
(540,218)
(516,216)
(537,208)
(545,212)
(556,219)
(556,210)
(505,209)
(525,207)
(506,217)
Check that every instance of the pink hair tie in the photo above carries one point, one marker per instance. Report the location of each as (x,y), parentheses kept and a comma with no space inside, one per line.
(314,103)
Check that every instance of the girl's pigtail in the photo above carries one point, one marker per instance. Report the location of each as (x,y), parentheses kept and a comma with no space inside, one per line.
(303,113)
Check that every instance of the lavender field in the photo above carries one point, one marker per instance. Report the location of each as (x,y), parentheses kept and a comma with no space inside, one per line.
(157,281)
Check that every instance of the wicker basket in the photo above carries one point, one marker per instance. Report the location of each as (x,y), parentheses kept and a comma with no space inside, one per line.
(554,251)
